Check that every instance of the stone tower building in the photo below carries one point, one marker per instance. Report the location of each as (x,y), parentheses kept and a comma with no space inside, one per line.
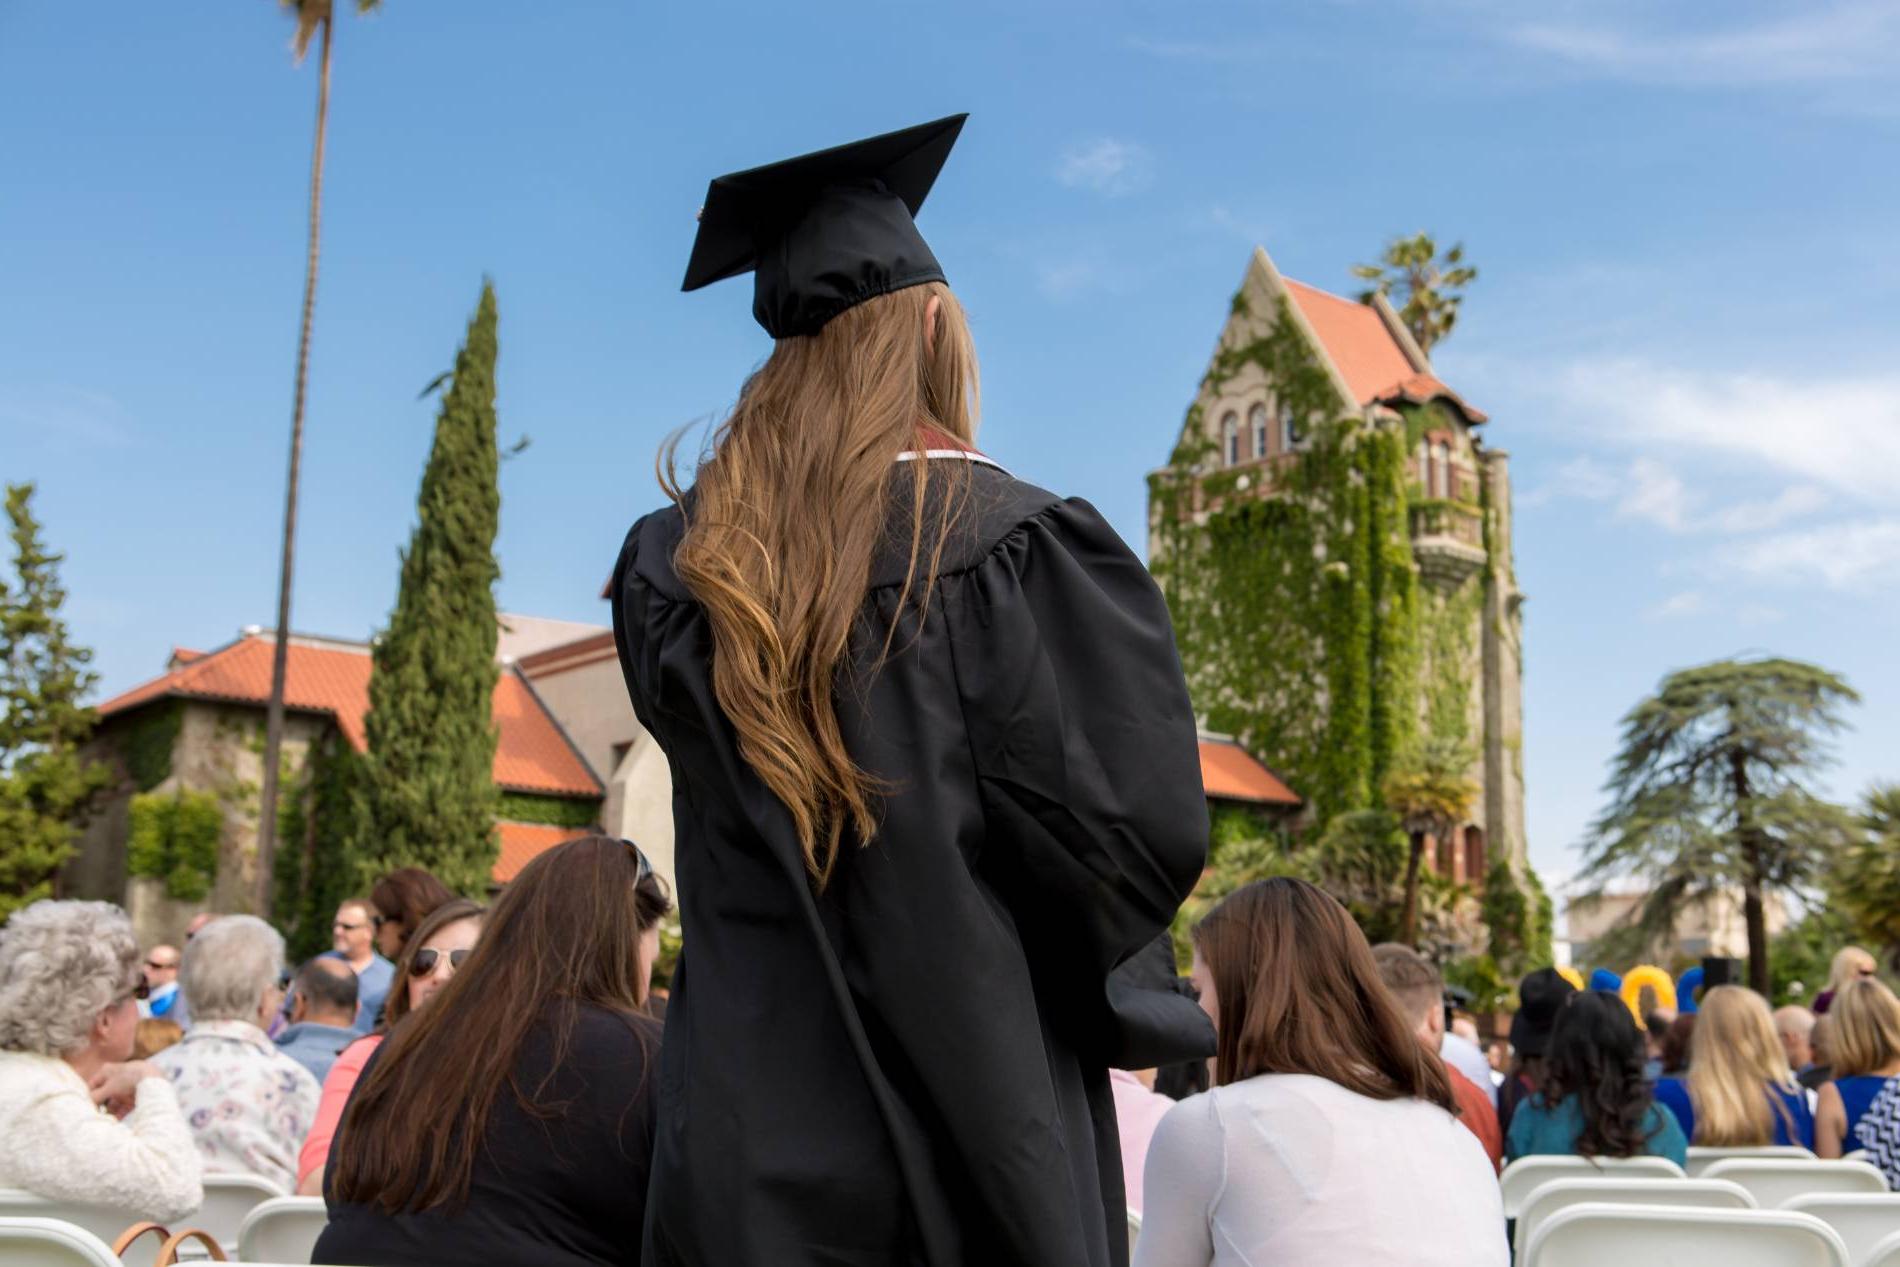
(1335,541)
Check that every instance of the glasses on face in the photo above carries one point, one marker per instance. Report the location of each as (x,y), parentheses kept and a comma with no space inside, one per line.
(141,992)
(424,964)
(284,979)
(341,927)
(156,966)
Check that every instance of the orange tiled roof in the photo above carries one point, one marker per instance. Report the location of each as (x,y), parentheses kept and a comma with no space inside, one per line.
(521,842)
(1228,773)
(1373,364)
(532,754)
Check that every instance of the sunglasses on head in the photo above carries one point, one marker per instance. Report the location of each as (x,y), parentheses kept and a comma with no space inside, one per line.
(640,859)
(428,957)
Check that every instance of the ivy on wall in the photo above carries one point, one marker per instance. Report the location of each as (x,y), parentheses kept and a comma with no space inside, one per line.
(146,740)
(174,837)
(320,821)
(556,811)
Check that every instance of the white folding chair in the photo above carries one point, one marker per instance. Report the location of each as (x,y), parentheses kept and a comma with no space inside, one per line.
(1884,1254)
(1527,1174)
(35,1242)
(1773,1182)
(102,1222)
(1595,1233)
(228,1199)
(1863,1219)
(285,1230)
(1561,1194)
(1700,1159)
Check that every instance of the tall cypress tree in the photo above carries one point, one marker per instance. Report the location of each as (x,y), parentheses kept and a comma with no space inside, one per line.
(431,730)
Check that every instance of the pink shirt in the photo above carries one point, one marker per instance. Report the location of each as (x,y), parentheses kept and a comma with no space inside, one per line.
(1137,1112)
(336,1093)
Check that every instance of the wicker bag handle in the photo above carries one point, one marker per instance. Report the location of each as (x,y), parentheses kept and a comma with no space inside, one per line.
(168,1252)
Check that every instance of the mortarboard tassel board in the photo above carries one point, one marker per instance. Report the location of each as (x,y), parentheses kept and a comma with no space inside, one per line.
(826,231)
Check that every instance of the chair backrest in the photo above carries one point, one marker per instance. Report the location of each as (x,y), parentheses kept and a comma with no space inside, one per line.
(1700,1159)
(228,1198)
(1595,1233)
(1561,1194)
(36,1242)
(285,1230)
(1527,1174)
(100,1221)
(1863,1219)
(1885,1253)
(1773,1183)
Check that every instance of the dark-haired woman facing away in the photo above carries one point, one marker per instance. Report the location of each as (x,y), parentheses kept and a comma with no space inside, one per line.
(510,1121)
(1594,1101)
(1330,1136)
(934,777)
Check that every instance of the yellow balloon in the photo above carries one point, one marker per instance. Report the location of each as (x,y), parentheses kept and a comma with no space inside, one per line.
(1653,978)
(1571,975)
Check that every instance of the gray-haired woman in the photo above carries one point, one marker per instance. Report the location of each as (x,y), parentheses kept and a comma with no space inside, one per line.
(79,1119)
(248,1104)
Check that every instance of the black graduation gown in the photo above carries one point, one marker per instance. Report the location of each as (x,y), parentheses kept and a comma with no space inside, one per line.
(910,1067)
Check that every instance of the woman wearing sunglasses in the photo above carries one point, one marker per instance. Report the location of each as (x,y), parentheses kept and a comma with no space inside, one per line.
(441,943)
(510,1121)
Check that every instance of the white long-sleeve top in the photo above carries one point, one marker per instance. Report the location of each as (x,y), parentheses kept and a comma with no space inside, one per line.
(1289,1170)
(55,1143)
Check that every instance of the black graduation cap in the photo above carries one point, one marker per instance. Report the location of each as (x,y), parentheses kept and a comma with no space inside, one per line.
(825,231)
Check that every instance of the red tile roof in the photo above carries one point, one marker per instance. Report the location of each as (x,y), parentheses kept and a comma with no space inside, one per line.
(1228,773)
(532,753)
(522,842)
(1373,364)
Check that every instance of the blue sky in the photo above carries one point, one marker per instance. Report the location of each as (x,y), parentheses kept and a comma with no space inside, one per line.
(1683,330)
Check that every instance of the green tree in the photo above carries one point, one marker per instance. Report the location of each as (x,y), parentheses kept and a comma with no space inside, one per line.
(1359,858)
(314,17)
(1426,284)
(430,725)
(1431,794)
(1707,793)
(46,786)
(1866,881)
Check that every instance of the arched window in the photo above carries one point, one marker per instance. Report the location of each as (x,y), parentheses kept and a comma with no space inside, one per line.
(1257,420)
(1289,430)
(1447,852)
(1474,855)
(1230,438)
(1442,452)
(1425,467)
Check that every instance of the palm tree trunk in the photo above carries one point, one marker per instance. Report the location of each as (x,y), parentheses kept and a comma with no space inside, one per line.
(280,657)
(1408,916)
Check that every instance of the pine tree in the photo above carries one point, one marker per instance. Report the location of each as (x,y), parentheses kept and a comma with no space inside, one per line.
(1709,796)
(46,786)
(431,788)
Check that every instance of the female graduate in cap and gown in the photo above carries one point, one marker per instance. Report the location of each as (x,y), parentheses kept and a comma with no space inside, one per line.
(935,777)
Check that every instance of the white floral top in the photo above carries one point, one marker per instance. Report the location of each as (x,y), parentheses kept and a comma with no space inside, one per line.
(248,1104)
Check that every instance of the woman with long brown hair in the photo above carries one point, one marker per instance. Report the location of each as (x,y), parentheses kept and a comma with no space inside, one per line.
(427,962)
(935,776)
(1593,1100)
(510,1121)
(1330,1135)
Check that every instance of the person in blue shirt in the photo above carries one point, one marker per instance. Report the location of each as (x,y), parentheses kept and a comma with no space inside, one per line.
(1594,1101)
(1865,1046)
(353,935)
(322,1012)
(1740,1092)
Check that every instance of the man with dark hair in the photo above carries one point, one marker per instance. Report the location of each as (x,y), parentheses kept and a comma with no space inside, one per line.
(1419,989)
(322,1015)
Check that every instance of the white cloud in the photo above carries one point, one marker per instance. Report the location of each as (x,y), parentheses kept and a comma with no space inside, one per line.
(1687,603)
(1062,278)
(1813,43)
(1107,166)
(1655,494)
(1848,555)
(1793,502)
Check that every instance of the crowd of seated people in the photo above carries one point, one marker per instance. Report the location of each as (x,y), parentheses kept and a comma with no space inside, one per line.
(502,1107)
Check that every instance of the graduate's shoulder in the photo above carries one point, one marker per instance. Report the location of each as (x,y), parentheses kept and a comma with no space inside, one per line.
(646,555)
(968,517)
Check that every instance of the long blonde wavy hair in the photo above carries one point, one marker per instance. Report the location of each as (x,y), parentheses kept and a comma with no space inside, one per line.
(1737,1058)
(1866,1033)
(783,521)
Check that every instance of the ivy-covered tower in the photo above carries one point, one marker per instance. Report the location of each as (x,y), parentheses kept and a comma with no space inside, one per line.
(1334,538)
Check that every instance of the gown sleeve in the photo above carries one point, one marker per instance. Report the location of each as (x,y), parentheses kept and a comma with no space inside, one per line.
(1084,746)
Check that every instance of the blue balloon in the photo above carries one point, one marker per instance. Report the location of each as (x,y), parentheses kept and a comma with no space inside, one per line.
(1686,986)
(1604,979)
